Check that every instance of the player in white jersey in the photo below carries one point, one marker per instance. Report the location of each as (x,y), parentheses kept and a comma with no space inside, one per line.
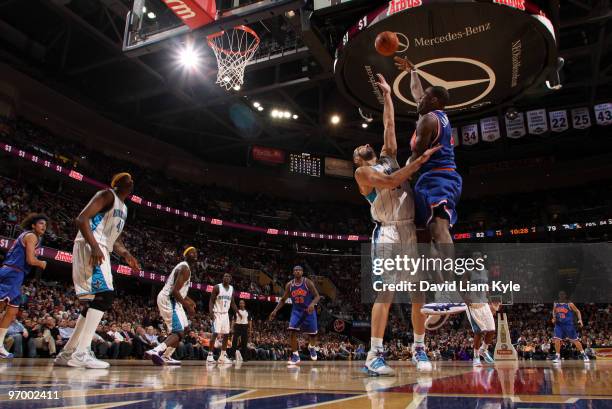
(221,299)
(100,224)
(480,316)
(385,185)
(172,302)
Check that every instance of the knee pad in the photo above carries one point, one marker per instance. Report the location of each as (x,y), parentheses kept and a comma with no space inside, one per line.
(103,301)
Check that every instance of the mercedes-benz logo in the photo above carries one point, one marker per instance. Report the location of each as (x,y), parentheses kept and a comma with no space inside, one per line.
(404,42)
(488,76)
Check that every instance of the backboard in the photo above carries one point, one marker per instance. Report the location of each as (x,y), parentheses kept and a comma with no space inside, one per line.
(151,23)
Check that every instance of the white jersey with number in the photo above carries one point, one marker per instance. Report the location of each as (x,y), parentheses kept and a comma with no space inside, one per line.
(107,226)
(170,281)
(224,299)
(391,205)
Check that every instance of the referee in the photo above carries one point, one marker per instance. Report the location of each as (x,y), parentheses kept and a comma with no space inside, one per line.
(243,325)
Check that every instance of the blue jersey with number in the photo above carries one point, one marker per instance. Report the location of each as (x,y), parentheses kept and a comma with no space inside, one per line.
(445,157)
(301,297)
(563,314)
(16,256)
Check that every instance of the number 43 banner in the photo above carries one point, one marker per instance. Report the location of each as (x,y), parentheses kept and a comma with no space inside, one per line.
(603,114)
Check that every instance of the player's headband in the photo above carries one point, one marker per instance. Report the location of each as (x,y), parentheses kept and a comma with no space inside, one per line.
(118,177)
(187,250)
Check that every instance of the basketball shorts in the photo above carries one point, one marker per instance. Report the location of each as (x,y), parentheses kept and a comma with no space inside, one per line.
(172,313)
(437,188)
(90,280)
(10,285)
(302,321)
(480,318)
(221,323)
(389,241)
(565,331)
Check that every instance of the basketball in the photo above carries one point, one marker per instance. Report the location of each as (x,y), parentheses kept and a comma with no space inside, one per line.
(386,43)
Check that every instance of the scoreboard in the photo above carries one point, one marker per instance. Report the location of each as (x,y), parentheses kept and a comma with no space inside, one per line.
(305,164)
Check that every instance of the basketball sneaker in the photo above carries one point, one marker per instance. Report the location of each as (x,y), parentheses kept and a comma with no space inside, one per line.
(88,360)
(476,362)
(294,360)
(486,355)
(168,360)
(584,357)
(4,354)
(433,322)
(439,308)
(155,357)
(313,353)
(224,359)
(63,357)
(420,359)
(238,356)
(210,359)
(377,366)
(556,359)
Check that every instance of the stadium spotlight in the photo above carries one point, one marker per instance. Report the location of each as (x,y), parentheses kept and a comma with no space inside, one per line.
(287,114)
(236,87)
(260,108)
(256,104)
(274,113)
(151,15)
(364,125)
(335,119)
(188,57)
(295,116)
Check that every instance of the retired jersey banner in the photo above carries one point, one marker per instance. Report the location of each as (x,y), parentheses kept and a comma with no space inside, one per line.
(469,134)
(455,137)
(603,114)
(489,128)
(515,128)
(558,121)
(536,122)
(581,118)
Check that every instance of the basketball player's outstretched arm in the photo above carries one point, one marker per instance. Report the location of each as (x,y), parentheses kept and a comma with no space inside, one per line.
(101,201)
(367,177)
(281,302)
(313,289)
(119,248)
(416,88)
(577,312)
(390,142)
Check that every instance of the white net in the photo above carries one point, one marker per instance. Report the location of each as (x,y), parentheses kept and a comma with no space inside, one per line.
(233,49)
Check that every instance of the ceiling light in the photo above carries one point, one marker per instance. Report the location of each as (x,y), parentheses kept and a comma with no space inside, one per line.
(364,125)
(151,15)
(260,108)
(256,104)
(335,119)
(295,116)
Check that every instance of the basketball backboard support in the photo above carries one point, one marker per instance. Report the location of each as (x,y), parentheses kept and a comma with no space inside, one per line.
(151,23)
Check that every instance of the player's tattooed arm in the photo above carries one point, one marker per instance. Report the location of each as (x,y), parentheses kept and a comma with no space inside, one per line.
(317,297)
(416,88)
(281,302)
(577,312)
(213,299)
(101,201)
(119,248)
(427,127)
(368,177)
(390,141)
(30,240)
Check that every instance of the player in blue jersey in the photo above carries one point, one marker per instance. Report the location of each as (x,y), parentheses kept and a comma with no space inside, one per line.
(563,318)
(304,298)
(438,188)
(18,262)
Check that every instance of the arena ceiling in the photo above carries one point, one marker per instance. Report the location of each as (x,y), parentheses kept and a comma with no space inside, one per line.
(75,46)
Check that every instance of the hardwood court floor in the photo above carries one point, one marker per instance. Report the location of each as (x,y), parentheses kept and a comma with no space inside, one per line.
(270,385)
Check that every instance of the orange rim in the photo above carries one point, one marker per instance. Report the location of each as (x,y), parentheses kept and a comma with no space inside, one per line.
(249,30)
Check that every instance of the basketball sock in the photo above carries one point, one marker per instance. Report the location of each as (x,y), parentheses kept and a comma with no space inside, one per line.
(76,334)
(161,347)
(169,351)
(3,332)
(91,324)
(419,340)
(484,347)
(376,344)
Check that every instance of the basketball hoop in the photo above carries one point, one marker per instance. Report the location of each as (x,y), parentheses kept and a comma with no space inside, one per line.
(233,49)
